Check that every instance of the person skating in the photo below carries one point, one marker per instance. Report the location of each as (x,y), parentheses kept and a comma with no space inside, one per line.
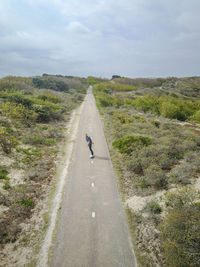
(90,143)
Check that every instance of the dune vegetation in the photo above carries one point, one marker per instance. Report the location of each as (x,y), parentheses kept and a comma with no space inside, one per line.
(153,133)
(33,116)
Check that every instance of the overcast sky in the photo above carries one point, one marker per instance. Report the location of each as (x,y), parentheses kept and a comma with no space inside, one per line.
(132,38)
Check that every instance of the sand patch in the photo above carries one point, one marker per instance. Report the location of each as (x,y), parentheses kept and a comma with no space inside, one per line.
(16,177)
(137,203)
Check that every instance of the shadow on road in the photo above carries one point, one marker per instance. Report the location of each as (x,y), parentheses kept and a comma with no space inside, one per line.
(102,158)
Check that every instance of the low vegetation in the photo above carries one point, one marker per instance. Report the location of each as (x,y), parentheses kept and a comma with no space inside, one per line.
(33,117)
(152,130)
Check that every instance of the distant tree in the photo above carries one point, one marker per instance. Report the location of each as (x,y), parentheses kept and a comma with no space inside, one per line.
(53,84)
(115,77)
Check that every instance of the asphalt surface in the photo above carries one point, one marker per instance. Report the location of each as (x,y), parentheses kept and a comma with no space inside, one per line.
(92,229)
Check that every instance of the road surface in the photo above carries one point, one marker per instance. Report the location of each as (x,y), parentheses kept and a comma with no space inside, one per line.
(92,229)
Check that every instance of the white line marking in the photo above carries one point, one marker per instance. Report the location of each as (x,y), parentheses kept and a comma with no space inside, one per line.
(92,184)
(93,214)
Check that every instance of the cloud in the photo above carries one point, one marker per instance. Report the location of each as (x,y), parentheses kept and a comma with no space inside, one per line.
(100,37)
(77,27)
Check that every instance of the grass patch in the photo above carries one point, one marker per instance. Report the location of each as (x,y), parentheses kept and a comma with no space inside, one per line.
(3,174)
(6,186)
(27,203)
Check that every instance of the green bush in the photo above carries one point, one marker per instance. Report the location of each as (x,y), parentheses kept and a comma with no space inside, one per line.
(171,111)
(154,207)
(169,107)
(38,140)
(142,182)
(155,176)
(196,116)
(46,111)
(123,118)
(20,113)
(27,203)
(182,174)
(28,151)
(140,119)
(50,83)
(179,229)
(6,186)
(19,98)
(128,144)
(95,80)
(3,174)
(13,84)
(50,97)
(181,198)
(109,87)
(146,103)
(133,164)
(7,140)
(156,123)
(107,100)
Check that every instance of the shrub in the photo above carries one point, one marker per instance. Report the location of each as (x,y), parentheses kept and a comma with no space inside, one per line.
(182,174)
(109,87)
(94,80)
(105,102)
(193,158)
(146,103)
(154,207)
(156,154)
(50,97)
(7,140)
(6,186)
(48,142)
(46,111)
(27,203)
(3,174)
(179,229)
(30,154)
(128,144)
(182,197)
(196,116)
(156,123)
(156,176)
(171,111)
(18,98)
(133,164)
(49,83)
(19,112)
(140,119)
(123,118)
(142,182)
(38,140)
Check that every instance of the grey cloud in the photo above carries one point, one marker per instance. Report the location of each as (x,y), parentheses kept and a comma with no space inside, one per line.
(77,27)
(131,38)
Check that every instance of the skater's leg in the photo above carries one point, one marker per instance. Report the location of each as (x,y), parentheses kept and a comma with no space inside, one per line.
(90,147)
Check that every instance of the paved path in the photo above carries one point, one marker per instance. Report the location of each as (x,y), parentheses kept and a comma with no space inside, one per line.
(92,229)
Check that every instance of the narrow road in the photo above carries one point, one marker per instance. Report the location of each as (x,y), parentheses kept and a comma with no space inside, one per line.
(92,229)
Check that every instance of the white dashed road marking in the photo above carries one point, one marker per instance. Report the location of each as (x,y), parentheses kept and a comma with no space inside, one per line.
(92,184)
(93,214)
